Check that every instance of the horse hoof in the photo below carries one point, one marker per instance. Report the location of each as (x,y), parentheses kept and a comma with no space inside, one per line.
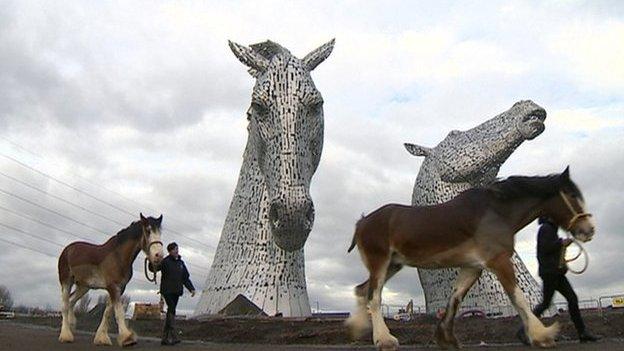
(357,327)
(387,344)
(66,340)
(546,344)
(66,337)
(127,340)
(102,341)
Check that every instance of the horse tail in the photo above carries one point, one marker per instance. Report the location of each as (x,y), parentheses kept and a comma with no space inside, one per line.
(354,240)
(63,267)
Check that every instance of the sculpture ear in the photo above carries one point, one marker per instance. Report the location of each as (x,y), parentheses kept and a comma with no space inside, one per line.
(318,55)
(417,150)
(249,57)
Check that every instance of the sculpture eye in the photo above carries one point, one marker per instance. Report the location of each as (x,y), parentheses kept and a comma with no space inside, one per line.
(316,107)
(261,111)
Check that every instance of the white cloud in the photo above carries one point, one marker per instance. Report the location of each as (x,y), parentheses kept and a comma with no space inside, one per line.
(146,99)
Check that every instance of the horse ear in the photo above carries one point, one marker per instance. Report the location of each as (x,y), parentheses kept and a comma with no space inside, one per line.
(159,219)
(566,173)
(417,150)
(143,219)
(249,57)
(318,55)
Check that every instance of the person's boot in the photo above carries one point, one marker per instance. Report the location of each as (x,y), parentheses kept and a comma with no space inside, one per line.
(521,335)
(165,337)
(174,332)
(586,336)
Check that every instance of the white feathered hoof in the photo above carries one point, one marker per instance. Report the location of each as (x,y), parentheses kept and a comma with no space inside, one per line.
(102,339)
(544,337)
(387,343)
(66,336)
(128,339)
(358,325)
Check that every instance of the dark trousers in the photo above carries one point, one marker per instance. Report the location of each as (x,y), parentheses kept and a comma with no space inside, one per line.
(169,328)
(559,282)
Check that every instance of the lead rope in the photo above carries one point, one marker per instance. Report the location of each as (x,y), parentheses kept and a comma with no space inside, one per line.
(153,278)
(145,263)
(563,261)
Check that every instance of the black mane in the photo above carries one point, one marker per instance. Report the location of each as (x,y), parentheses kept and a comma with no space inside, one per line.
(538,186)
(132,232)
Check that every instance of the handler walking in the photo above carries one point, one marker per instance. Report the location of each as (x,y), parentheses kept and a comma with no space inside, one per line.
(174,276)
(552,272)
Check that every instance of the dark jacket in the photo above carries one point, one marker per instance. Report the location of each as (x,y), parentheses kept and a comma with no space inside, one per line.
(174,275)
(549,247)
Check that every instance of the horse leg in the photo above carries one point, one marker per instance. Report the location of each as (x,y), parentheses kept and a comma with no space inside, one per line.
(381,334)
(358,322)
(73,299)
(126,336)
(101,335)
(66,333)
(444,332)
(538,334)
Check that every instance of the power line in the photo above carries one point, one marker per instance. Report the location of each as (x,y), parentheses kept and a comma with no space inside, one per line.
(86,194)
(58,198)
(47,225)
(27,248)
(47,240)
(77,189)
(51,211)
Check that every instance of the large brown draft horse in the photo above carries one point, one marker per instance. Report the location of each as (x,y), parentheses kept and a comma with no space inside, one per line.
(473,231)
(107,266)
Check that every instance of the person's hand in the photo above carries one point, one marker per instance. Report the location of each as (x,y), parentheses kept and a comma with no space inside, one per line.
(566,242)
(192,293)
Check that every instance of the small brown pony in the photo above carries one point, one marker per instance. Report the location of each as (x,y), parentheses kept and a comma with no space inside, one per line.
(107,266)
(473,231)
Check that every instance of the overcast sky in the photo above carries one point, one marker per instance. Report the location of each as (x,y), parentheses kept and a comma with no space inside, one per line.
(141,105)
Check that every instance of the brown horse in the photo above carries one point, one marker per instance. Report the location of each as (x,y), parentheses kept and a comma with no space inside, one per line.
(473,231)
(107,266)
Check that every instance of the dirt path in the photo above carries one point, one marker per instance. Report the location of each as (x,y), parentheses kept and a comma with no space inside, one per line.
(17,336)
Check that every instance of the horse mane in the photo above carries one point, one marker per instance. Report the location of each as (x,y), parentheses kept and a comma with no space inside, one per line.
(520,186)
(132,232)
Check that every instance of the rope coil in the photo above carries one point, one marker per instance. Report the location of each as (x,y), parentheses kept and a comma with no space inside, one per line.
(563,261)
(153,278)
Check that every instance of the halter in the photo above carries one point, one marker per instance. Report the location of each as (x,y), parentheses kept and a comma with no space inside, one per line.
(576,216)
(153,278)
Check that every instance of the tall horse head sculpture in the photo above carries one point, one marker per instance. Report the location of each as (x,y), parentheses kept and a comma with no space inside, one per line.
(463,160)
(286,126)
(260,253)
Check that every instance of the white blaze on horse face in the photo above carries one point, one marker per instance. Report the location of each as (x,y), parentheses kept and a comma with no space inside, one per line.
(584,228)
(155,252)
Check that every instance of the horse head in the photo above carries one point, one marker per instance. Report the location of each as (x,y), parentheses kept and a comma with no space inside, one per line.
(151,244)
(286,133)
(475,156)
(567,208)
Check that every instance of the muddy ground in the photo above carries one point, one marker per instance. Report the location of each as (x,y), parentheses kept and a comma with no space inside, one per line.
(315,331)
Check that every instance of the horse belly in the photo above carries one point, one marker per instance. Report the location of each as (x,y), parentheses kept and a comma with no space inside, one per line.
(458,256)
(89,276)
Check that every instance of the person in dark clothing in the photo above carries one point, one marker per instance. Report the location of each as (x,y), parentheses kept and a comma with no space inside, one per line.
(174,277)
(552,272)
